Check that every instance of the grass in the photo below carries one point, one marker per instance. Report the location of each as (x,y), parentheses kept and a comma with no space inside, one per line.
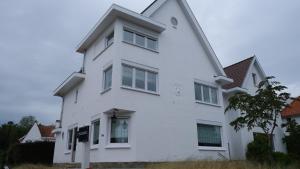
(216,165)
(190,165)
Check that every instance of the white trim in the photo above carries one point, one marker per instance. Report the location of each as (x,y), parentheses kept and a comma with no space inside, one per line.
(206,148)
(235,90)
(106,67)
(117,145)
(139,65)
(94,119)
(210,87)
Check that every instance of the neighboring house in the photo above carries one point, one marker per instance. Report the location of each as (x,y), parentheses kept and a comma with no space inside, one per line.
(292,112)
(39,132)
(247,74)
(150,88)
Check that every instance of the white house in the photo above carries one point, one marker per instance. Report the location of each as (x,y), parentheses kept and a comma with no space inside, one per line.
(246,74)
(150,88)
(38,132)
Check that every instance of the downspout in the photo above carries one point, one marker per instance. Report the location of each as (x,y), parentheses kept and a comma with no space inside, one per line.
(62,111)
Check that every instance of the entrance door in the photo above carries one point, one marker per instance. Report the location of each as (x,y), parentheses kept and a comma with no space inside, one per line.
(74,144)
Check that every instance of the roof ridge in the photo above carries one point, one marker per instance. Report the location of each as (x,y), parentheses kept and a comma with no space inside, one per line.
(239,62)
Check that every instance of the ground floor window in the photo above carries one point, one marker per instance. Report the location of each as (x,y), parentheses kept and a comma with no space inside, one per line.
(95,131)
(119,130)
(70,139)
(209,135)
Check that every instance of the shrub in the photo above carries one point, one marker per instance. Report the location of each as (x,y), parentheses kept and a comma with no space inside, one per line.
(258,150)
(35,153)
(292,140)
(281,158)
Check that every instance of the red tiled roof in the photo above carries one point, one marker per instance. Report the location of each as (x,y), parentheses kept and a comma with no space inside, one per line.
(292,110)
(237,72)
(46,131)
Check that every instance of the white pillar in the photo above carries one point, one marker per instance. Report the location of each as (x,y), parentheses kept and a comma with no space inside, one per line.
(85,163)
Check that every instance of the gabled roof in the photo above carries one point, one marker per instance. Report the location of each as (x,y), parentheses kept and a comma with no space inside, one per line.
(157,4)
(46,131)
(292,110)
(238,72)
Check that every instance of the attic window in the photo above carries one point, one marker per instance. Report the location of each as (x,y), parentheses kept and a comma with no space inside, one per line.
(254,79)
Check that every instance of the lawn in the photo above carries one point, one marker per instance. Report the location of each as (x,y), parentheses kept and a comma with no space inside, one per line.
(192,165)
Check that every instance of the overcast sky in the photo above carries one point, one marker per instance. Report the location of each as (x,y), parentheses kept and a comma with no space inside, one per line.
(38,40)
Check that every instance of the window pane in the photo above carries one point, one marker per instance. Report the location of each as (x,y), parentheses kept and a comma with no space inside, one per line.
(140,79)
(127,76)
(151,81)
(110,39)
(119,131)
(206,94)
(140,40)
(209,135)
(198,92)
(70,138)
(128,36)
(107,78)
(214,95)
(96,131)
(151,44)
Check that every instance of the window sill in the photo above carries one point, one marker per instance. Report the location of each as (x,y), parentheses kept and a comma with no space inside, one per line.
(139,90)
(67,152)
(94,147)
(155,51)
(97,56)
(118,146)
(206,148)
(105,91)
(210,104)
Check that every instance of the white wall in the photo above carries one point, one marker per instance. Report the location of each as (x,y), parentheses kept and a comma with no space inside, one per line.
(33,135)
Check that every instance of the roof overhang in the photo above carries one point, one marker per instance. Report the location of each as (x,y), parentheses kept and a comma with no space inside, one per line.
(223,80)
(72,81)
(107,19)
(235,90)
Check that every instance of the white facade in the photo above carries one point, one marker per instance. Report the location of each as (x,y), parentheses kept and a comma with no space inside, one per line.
(181,101)
(162,125)
(33,135)
(238,141)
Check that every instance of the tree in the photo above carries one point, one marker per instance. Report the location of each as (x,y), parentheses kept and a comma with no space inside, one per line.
(27,122)
(260,110)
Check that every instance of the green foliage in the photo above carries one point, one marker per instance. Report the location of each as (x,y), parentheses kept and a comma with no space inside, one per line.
(31,153)
(27,122)
(260,110)
(293,139)
(281,158)
(258,150)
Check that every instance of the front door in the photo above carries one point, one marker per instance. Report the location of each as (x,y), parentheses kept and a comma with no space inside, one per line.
(74,144)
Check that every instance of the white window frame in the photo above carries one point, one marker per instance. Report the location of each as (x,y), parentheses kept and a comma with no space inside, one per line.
(104,90)
(146,36)
(147,69)
(71,127)
(118,145)
(94,119)
(212,123)
(210,86)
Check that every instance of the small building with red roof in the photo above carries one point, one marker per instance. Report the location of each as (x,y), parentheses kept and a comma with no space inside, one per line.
(39,132)
(292,111)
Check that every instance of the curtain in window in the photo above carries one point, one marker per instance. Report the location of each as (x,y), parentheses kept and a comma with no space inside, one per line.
(140,79)
(198,92)
(127,76)
(209,135)
(119,130)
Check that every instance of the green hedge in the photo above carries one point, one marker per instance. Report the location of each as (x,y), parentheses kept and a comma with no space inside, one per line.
(33,153)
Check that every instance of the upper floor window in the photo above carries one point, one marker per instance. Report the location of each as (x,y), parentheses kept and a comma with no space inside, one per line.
(206,94)
(140,40)
(209,135)
(109,39)
(138,78)
(107,78)
(254,78)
